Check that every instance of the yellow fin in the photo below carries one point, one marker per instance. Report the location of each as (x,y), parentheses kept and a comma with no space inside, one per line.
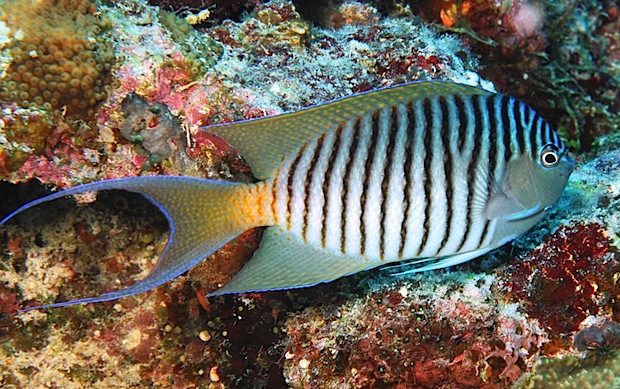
(284,261)
(267,142)
(203,215)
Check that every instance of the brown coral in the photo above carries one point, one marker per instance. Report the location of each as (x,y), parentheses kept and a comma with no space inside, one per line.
(59,60)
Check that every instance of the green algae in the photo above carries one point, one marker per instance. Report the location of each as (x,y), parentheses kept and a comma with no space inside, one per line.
(201,52)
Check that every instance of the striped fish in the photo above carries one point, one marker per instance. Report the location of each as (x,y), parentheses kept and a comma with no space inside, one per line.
(435,173)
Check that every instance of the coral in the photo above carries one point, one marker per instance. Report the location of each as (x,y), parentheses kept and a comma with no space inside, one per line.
(601,339)
(561,282)
(164,338)
(582,71)
(57,59)
(218,10)
(273,54)
(432,332)
(511,25)
(22,132)
(76,148)
(60,58)
(333,15)
(153,129)
(574,373)
(562,278)
(200,53)
(474,326)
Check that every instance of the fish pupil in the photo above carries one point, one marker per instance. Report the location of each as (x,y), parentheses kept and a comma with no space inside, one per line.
(550,157)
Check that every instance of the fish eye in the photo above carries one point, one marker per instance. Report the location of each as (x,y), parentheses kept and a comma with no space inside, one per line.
(550,156)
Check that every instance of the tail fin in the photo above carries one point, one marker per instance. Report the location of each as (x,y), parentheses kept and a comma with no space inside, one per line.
(203,216)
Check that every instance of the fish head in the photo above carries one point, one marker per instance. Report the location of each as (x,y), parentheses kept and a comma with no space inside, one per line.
(533,181)
(531,184)
(536,181)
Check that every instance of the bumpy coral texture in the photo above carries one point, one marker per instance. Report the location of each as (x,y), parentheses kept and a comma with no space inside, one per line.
(59,60)
(201,52)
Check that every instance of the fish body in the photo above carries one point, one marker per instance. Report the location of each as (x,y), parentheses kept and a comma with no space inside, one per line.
(435,173)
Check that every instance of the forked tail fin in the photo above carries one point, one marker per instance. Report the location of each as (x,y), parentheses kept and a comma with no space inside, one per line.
(203,215)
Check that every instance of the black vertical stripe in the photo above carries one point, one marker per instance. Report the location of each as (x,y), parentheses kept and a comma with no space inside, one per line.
(354,152)
(308,182)
(505,123)
(327,181)
(518,114)
(392,128)
(531,115)
(408,174)
(494,158)
(448,166)
(428,177)
(493,138)
(462,117)
(368,164)
(485,232)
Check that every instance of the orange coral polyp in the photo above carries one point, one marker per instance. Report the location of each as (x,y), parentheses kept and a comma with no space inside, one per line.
(60,42)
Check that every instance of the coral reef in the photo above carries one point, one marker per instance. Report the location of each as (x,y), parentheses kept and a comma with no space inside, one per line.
(200,52)
(300,66)
(561,57)
(23,132)
(56,58)
(541,311)
(600,339)
(153,129)
(446,330)
(573,373)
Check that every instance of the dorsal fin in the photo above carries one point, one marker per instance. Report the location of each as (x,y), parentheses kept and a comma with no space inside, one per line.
(266,142)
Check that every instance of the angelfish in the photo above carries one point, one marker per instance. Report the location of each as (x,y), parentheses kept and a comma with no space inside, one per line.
(436,173)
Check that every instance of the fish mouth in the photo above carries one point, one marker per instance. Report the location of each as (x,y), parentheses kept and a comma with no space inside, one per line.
(567,166)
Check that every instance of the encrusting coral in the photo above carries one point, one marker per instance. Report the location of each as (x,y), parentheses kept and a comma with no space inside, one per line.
(60,58)
(56,62)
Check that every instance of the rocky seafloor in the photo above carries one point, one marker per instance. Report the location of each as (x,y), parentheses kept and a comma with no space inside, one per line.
(92,91)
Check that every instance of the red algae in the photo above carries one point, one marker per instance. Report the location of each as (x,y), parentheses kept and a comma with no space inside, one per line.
(407,336)
(561,282)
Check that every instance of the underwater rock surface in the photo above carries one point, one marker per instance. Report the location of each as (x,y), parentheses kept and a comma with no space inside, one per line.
(542,311)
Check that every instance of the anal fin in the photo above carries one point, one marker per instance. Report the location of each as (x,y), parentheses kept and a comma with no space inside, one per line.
(283,260)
